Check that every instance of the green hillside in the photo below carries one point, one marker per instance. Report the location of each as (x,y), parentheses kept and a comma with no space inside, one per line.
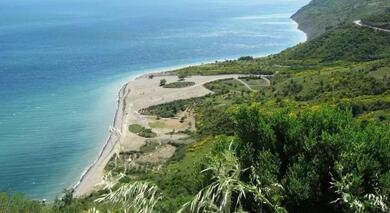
(346,42)
(320,15)
(381,20)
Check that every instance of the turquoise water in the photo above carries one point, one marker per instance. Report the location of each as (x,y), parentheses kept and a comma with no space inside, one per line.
(62,63)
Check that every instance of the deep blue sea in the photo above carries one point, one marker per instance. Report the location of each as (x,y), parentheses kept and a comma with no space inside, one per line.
(62,63)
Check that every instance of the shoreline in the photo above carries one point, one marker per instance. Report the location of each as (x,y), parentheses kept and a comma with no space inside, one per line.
(82,187)
(305,35)
(112,140)
(167,69)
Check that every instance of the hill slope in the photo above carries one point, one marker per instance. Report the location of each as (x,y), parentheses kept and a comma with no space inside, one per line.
(346,42)
(320,15)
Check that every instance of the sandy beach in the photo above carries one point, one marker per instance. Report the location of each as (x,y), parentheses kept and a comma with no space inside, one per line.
(137,94)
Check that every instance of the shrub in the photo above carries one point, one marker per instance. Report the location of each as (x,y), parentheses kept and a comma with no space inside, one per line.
(162,82)
(147,133)
(245,58)
(142,131)
(135,128)
(180,84)
(181,76)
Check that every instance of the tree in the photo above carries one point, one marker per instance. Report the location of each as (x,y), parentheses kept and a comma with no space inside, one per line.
(245,58)
(163,82)
(181,77)
(322,158)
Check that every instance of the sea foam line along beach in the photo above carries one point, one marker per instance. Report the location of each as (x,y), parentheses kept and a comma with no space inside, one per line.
(90,174)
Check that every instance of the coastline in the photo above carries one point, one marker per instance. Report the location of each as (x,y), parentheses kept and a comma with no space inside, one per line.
(139,93)
(81,186)
(297,27)
(166,70)
(92,175)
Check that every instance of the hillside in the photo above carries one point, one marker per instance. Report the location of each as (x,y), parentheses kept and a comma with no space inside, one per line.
(346,42)
(320,15)
(378,20)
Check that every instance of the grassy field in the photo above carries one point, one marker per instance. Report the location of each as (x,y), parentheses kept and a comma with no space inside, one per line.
(226,86)
(135,128)
(255,84)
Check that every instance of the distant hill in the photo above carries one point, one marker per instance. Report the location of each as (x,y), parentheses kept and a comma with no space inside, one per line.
(320,15)
(347,42)
(379,20)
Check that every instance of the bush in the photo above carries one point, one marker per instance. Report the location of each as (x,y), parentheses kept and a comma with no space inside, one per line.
(318,156)
(147,133)
(169,110)
(162,82)
(135,128)
(180,84)
(18,203)
(245,58)
(142,131)
(181,77)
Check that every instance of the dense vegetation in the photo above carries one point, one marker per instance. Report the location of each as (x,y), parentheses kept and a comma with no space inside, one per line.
(179,84)
(348,42)
(142,131)
(316,140)
(169,110)
(321,15)
(226,86)
(381,20)
(258,66)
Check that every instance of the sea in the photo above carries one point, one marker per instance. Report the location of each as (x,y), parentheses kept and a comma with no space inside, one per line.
(62,63)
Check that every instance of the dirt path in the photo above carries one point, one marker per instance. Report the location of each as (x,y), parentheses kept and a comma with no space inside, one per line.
(268,82)
(361,24)
(245,84)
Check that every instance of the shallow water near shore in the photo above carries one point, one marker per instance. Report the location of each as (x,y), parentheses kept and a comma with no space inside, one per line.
(63,62)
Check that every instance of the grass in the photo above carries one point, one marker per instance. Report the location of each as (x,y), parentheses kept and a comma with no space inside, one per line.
(380,73)
(255,84)
(147,133)
(142,131)
(149,146)
(18,203)
(157,125)
(135,128)
(225,86)
(169,110)
(179,84)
